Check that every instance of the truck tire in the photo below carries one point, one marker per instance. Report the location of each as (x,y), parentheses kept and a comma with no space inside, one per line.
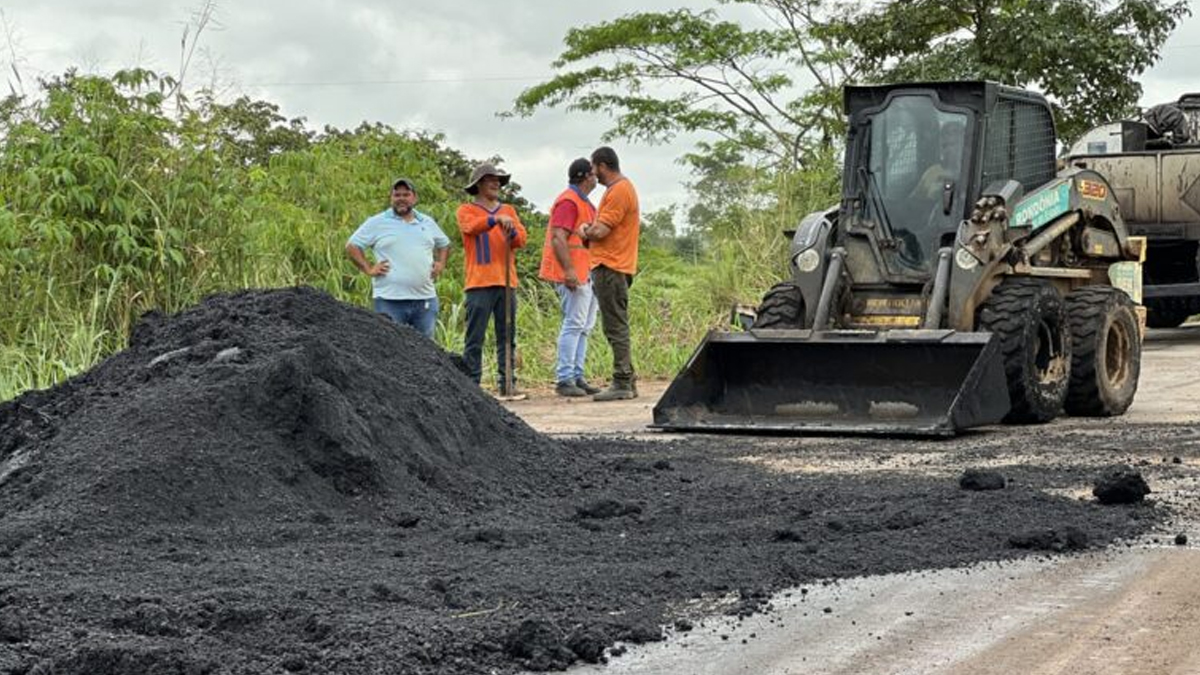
(1106,352)
(782,307)
(1167,313)
(1029,319)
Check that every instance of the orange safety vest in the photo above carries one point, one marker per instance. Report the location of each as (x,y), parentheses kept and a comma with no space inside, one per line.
(581,259)
(485,246)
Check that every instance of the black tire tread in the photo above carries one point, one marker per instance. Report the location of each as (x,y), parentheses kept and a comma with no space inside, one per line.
(1169,312)
(1086,308)
(782,307)
(1005,313)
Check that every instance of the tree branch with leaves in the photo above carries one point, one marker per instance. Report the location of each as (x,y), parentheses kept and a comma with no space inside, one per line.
(678,72)
(1084,55)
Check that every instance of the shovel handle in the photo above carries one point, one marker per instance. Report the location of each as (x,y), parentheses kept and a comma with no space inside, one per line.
(508,318)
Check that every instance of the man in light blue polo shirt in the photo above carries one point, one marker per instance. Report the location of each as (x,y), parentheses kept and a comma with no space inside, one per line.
(410,252)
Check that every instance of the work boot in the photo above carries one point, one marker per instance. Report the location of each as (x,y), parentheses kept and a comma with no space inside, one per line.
(587,388)
(569,389)
(617,391)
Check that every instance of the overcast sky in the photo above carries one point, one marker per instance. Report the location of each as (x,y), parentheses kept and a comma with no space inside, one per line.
(446,66)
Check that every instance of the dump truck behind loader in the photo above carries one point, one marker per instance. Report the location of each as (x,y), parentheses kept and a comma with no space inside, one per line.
(1153,166)
(962,280)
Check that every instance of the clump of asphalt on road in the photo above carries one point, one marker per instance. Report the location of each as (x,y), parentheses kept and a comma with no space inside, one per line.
(275,481)
(982,479)
(1121,485)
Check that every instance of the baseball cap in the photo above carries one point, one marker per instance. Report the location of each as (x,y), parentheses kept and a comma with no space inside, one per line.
(405,182)
(579,169)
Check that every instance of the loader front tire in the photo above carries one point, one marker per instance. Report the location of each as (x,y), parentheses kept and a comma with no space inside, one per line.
(1106,352)
(1029,319)
(782,307)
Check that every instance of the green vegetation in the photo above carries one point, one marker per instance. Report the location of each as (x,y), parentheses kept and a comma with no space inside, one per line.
(119,195)
(1084,55)
(774,93)
(114,203)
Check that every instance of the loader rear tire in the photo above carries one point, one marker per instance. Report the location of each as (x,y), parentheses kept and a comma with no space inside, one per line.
(1029,319)
(782,307)
(1106,352)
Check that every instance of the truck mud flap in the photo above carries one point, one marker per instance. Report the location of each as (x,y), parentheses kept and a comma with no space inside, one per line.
(899,382)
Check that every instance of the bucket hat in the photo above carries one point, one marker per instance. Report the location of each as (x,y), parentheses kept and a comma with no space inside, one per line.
(482,170)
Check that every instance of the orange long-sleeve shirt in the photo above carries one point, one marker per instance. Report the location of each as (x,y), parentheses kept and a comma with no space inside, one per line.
(484,244)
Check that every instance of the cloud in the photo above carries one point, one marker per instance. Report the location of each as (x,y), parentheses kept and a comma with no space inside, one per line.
(446,67)
(1175,73)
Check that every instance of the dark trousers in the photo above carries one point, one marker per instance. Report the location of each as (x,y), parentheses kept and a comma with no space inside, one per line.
(484,304)
(612,293)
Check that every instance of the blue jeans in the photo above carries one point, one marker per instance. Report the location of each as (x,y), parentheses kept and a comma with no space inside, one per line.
(579,317)
(420,314)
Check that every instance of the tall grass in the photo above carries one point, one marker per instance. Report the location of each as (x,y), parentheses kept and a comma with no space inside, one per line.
(111,208)
(743,262)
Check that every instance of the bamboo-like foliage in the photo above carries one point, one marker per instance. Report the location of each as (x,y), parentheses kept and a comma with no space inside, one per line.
(113,203)
(112,206)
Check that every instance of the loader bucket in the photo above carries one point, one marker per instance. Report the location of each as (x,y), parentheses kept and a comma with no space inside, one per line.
(899,382)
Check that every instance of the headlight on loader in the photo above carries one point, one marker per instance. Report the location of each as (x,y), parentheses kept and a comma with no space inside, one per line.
(808,261)
(965,259)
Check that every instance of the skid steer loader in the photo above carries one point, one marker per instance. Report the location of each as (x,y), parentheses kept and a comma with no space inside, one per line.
(962,280)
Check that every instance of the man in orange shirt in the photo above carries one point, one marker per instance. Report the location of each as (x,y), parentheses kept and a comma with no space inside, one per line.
(566,263)
(613,244)
(490,232)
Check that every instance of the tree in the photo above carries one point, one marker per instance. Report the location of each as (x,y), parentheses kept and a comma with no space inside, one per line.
(252,131)
(1084,55)
(682,71)
(658,228)
(773,94)
(724,188)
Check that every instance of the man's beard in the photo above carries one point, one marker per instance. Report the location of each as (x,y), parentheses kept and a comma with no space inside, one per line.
(402,210)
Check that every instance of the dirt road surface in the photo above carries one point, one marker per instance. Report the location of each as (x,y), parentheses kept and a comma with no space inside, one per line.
(1134,609)
(1169,392)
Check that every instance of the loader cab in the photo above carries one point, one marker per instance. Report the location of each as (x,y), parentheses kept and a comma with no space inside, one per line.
(918,156)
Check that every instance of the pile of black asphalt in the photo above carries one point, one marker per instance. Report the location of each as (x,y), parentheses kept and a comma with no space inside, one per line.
(274,481)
